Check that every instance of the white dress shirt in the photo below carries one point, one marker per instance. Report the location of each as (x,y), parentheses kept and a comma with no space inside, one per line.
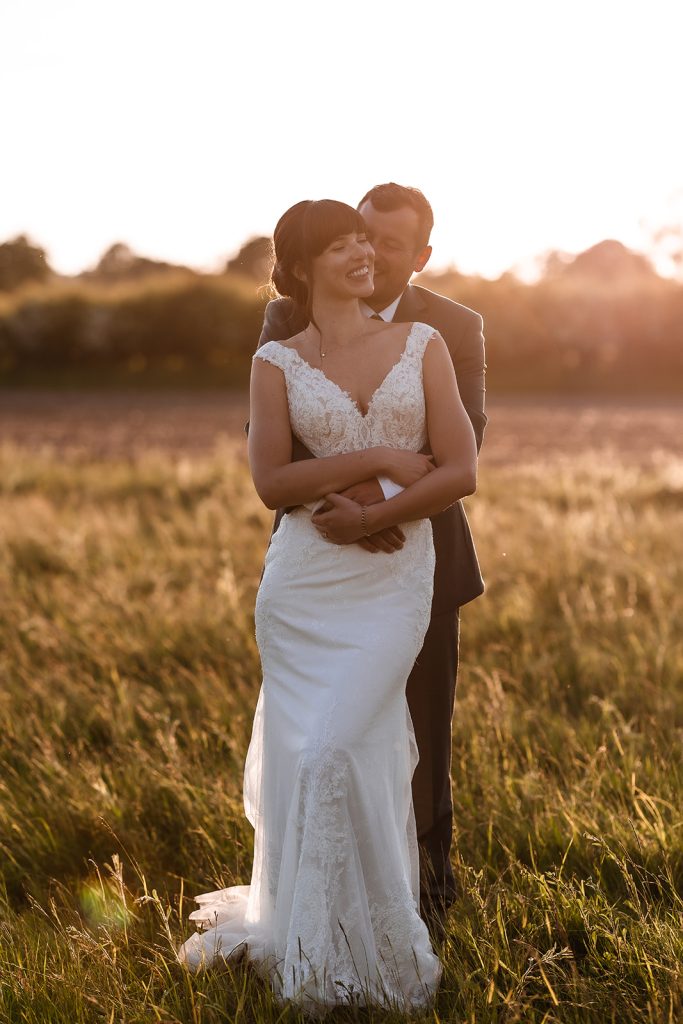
(387,314)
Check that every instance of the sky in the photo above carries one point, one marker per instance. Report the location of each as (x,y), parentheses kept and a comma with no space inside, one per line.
(182,129)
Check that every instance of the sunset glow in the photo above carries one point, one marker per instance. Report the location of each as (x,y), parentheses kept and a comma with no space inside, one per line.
(184,129)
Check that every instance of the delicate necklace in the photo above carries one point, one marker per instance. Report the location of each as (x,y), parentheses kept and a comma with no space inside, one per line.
(320,346)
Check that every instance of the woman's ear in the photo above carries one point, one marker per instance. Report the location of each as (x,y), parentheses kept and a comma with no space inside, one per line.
(299,272)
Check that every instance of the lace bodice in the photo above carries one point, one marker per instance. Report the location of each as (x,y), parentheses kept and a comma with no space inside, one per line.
(327,420)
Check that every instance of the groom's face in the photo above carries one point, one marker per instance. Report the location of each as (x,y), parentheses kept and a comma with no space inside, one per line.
(399,252)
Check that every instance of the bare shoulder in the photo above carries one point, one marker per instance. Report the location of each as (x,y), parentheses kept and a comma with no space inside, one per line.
(295,342)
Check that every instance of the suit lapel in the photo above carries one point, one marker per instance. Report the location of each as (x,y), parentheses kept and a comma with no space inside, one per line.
(410,306)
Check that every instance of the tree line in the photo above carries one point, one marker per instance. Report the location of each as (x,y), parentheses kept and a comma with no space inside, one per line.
(599,321)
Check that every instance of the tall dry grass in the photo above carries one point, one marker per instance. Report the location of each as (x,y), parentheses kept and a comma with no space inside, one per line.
(130,675)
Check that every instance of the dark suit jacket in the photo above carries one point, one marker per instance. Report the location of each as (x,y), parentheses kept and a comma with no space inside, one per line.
(457,578)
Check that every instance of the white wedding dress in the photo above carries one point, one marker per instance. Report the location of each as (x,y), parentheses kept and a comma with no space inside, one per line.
(331,914)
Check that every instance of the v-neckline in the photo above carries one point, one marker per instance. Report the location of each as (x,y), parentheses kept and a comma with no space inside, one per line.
(343,391)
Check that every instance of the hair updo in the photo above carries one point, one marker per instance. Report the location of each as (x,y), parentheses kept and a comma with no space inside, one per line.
(301,234)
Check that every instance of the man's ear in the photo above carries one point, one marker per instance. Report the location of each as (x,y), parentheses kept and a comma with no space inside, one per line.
(422,259)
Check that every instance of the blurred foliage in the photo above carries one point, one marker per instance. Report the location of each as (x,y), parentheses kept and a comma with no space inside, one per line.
(21,261)
(602,321)
(120,263)
(254,260)
(185,326)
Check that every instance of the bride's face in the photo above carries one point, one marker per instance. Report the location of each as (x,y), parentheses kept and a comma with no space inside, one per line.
(345,268)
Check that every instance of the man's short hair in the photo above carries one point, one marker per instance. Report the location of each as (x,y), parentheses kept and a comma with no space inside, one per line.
(391,196)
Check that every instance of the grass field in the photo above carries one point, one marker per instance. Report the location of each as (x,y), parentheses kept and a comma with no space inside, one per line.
(129,676)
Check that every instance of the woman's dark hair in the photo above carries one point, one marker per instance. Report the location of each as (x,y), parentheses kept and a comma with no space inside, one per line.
(390,197)
(301,234)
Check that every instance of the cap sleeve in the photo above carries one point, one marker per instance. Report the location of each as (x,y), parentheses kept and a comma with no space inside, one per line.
(421,334)
(277,354)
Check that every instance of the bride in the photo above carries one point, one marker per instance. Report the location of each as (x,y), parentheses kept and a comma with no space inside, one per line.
(331,914)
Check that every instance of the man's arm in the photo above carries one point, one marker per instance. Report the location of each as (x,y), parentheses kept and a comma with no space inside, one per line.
(470,370)
(468,360)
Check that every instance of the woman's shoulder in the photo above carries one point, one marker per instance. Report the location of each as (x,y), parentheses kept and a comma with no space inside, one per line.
(280,353)
(295,342)
(275,352)
(421,327)
(420,335)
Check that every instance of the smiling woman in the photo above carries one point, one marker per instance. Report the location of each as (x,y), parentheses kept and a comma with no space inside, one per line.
(302,234)
(332,912)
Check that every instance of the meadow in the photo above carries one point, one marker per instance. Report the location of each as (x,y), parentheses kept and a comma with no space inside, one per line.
(129,676)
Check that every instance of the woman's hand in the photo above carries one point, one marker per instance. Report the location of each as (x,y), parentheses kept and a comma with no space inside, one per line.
(342,523)
(406,468)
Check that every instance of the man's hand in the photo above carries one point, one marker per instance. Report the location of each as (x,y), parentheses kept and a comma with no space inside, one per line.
(388,540)
(369,492)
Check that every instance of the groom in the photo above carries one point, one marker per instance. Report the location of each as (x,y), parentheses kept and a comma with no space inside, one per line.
(399,222)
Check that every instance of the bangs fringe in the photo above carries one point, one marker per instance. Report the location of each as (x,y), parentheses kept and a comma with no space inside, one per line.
(325,220)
